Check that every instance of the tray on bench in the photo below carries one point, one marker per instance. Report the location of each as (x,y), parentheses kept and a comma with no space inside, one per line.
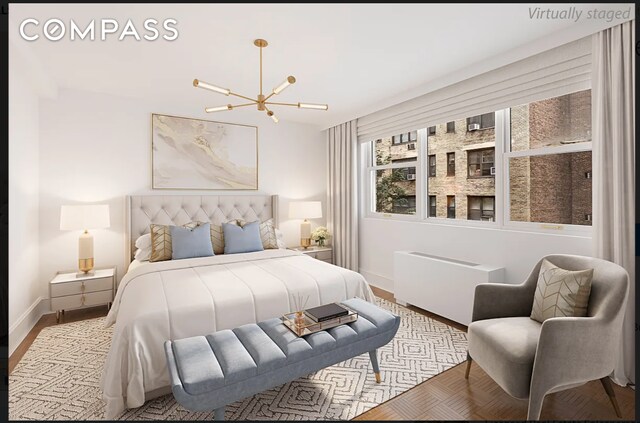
(311,326)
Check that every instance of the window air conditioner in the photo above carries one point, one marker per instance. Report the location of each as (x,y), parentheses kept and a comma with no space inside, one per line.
(411,177)
(411,146)
(474,127)
(492,171)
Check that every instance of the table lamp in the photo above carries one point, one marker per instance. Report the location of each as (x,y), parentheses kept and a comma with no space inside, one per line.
(84,217)
(305,210)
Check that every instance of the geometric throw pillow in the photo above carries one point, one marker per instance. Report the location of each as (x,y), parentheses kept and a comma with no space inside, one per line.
(267,233)
(161,241)
(561,292)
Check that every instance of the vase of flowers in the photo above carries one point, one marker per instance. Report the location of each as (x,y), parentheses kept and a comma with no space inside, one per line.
(320,235)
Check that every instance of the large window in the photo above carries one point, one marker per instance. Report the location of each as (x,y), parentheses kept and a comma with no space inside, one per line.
(539,154)
(550,161)
(481,163)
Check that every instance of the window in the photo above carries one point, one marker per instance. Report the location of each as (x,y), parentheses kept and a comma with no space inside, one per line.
(451,207)
(451,127)
(481,208)
(549,161)
(432,165)
(488,120)
(393,173)
(540,157)
(481,163)
(432,206)
(451,164)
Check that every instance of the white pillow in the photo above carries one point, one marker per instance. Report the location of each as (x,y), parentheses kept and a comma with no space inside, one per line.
(280,239)
(143,254)
(143,241)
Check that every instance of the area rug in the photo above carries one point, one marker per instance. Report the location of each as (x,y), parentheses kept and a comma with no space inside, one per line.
(59,377)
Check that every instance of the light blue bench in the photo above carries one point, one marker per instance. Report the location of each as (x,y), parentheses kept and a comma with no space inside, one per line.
(209,372)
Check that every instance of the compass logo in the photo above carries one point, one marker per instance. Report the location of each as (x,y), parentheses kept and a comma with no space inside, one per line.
(55,29)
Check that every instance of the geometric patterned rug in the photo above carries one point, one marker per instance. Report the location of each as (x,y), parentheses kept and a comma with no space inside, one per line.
(59,377)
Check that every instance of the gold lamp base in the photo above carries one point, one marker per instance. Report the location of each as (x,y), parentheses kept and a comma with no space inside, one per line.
(305,242)
(86,267)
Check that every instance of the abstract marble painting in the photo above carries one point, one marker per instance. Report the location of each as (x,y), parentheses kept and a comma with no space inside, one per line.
(200,154)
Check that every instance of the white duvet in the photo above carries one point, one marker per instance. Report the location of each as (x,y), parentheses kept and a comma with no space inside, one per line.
(177,299)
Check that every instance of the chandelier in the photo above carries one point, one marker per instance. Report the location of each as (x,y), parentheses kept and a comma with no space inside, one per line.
(262,102)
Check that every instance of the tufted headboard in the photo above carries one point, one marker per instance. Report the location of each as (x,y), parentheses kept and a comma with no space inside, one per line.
(142,210)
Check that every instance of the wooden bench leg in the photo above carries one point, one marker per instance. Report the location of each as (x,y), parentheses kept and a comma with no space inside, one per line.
(466,372)
(606,383)
(374,362)
(218,414)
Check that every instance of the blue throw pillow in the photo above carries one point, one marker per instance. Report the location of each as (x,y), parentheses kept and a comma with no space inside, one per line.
(190,243)
(242,239)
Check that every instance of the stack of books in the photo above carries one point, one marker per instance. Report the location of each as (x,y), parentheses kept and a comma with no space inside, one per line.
(326,312)
(319,318)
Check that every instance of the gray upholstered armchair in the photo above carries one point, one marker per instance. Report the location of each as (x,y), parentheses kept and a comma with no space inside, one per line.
(529,359)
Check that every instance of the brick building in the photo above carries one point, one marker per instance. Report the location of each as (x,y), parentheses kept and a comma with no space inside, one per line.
(461,167)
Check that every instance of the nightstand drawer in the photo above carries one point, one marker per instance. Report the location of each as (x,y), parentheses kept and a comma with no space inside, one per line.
(80,287)
(75,301)
(323,255)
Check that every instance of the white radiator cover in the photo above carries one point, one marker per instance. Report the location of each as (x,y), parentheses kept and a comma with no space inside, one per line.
(444,286)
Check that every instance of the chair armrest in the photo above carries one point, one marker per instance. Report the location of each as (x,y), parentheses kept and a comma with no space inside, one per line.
(573,350)
(495,300)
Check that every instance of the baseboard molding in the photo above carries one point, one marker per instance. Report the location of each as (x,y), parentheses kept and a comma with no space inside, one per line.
(378,281)
(20,329)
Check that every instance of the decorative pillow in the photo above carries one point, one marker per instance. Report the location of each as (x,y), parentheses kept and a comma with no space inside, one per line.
(267,233)
(242,239)
(143,241)
(280,239)
(191,243)
(561,292)
(161,241)
(143,254)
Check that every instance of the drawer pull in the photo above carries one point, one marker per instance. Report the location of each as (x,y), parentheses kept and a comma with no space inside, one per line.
(82,287)
(82,299)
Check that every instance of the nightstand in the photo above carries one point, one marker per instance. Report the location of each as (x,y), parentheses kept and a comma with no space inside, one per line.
(67,291)
(320,253)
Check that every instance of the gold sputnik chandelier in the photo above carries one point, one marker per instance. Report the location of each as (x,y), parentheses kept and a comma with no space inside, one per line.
(262,102)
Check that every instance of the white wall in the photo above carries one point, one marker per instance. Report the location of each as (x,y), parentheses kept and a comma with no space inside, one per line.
(97,148)
(25,286)
(516,251)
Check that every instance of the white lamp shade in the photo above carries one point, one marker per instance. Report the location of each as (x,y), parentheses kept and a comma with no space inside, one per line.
(305,209)
(89,216)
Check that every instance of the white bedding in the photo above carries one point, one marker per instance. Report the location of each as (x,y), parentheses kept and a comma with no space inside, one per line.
(182,298)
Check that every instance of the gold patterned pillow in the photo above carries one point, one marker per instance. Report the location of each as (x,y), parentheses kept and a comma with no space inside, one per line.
(161,241)
(561,292)
(267,233)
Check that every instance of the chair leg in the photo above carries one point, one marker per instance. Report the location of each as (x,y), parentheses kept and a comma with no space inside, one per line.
(374,362)
(608,387)
(466,372)
(536,398)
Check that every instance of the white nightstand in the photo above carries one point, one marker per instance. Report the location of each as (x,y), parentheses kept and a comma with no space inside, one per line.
(320,253)
(67,291)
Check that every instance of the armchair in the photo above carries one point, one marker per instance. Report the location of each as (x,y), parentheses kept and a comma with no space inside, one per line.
(529,359)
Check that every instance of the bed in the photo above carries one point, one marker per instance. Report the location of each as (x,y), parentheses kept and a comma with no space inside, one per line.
(175,299)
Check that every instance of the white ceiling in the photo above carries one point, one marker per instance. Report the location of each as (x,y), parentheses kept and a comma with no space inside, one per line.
(358,58)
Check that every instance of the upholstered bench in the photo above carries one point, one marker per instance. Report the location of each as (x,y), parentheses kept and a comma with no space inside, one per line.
(209,372)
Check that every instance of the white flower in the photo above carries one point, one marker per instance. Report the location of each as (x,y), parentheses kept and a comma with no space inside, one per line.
(320,233)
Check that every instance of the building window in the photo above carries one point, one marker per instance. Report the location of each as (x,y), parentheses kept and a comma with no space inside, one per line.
(413,136)
(431,130)
(451,164)
(396,139)
(432,165)
(544,185)
(451,207)
(451,127)
(432,206)
(481,163)
(481,208)
(485,121)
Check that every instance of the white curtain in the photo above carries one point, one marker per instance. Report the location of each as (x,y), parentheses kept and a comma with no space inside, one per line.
(342,194)
(613,85)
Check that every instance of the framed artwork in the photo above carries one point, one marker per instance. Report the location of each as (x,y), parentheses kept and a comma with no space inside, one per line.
(201,154)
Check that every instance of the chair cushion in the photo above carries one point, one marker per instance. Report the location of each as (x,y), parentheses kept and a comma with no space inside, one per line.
(505,349)
(561,292)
